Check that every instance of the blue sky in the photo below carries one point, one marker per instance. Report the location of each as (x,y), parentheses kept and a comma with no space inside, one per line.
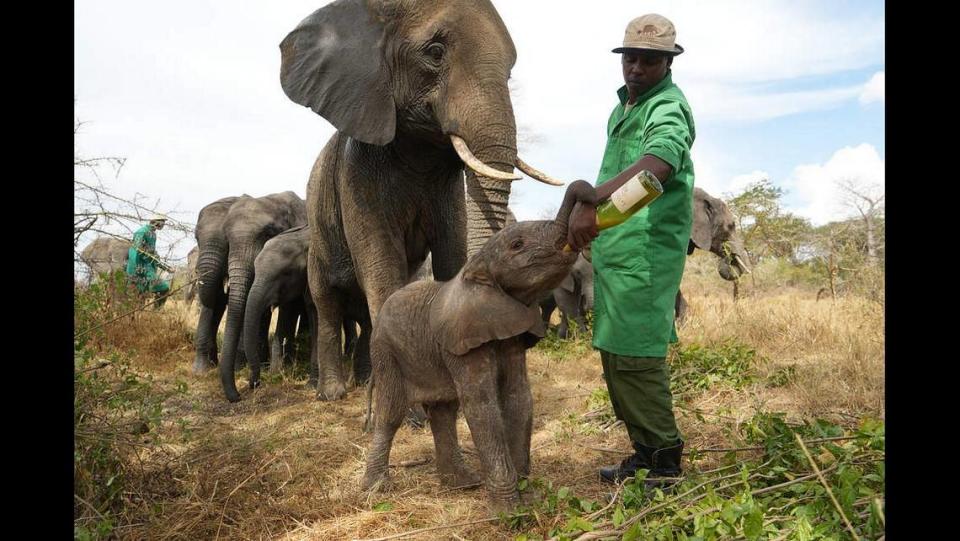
(189,93)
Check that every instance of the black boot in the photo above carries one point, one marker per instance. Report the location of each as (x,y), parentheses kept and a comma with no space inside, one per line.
(665,463)
(628,467)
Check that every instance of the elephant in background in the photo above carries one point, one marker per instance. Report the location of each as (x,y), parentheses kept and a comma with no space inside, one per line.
(714,229)
(249,224)
(211,268)
(280,280)
(416,90)
(463,343)
(186,275)
(574,298)
(105,255)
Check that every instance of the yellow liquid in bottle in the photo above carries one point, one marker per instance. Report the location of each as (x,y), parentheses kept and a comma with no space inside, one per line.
(633,195)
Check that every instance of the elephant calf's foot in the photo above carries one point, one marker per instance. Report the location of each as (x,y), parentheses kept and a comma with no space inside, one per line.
(375,481)
(332,391)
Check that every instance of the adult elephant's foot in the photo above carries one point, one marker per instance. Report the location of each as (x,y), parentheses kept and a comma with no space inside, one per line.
(459,476)
(202,365)
(332,391)
(504,500)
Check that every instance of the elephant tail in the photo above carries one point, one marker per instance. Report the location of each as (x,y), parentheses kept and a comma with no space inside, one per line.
(366,422)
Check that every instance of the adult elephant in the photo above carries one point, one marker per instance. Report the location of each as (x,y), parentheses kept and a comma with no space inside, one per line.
(280,280)
(186,276)
(416,89)
(211,276)
(715,230)
(105,255)
(248,225)
(574,298)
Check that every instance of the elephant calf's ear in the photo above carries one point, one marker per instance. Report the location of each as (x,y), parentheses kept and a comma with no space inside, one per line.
(702,232)
(465,315)
(333,63)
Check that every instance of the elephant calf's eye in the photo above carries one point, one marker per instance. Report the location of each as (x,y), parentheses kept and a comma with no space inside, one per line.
(517,244)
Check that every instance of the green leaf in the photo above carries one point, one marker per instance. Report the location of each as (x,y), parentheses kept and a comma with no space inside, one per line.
(383,506)
(578,524)
(618,517)
(522,484)
(563,493)
(753,524)
(634,533)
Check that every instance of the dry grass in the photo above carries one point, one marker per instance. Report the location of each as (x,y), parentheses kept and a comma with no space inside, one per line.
(281,465)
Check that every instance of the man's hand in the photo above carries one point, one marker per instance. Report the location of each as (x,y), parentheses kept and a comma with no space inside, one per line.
(582,227)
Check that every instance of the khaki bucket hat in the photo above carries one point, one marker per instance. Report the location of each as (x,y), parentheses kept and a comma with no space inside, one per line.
(651,32)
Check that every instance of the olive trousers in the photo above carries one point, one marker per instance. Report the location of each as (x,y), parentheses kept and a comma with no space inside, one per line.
(640,392)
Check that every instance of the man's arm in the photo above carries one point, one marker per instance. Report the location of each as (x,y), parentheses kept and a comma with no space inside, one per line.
(583,220)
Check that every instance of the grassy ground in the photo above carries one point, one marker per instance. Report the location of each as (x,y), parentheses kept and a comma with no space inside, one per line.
(281,465)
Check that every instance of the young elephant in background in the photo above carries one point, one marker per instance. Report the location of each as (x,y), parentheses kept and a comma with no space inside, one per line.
(280,280)
(463,342)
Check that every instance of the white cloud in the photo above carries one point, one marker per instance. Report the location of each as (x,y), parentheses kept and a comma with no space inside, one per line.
(874,90)
(815,186)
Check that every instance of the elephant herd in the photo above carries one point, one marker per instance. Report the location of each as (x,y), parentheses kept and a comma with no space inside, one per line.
(421,164)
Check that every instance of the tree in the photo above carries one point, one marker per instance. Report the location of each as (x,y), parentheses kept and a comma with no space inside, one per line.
(868,200)
(98,211)
(766,229)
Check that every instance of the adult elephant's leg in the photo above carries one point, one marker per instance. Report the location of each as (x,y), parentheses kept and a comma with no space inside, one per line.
(329,314)
(443,422)
(284,335)
(349,337)
(475,375)
(312,329)
(361,355)
(516,403)
(207,326)
(680,307)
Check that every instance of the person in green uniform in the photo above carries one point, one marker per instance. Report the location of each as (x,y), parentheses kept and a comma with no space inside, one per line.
(142,259)
(638,264)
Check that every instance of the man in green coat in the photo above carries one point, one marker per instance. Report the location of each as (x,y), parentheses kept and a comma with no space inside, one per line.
(638,264)
(142,259)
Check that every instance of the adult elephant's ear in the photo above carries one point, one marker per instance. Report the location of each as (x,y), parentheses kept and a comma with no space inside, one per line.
(471,310)
(333,63)
(702,232)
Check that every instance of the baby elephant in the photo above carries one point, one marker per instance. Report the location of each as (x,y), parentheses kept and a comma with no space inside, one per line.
(463,343)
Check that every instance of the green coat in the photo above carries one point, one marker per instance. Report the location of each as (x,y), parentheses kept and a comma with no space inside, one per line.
(639,263)
(141,267)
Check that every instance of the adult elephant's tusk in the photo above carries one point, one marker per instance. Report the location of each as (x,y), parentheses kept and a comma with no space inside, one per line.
(537,174)
(474,163)
(743,266)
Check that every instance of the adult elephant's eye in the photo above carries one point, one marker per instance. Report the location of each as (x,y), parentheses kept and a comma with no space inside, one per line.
(435,52)
(517,244)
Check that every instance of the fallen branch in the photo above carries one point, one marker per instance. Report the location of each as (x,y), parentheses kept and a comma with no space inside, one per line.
(461,487)
(435,528)
(826,486)
(411,463)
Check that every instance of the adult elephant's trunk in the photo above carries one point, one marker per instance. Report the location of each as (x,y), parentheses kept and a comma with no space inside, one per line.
(487,197)
(241,278)
(257,309)
(211,267)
